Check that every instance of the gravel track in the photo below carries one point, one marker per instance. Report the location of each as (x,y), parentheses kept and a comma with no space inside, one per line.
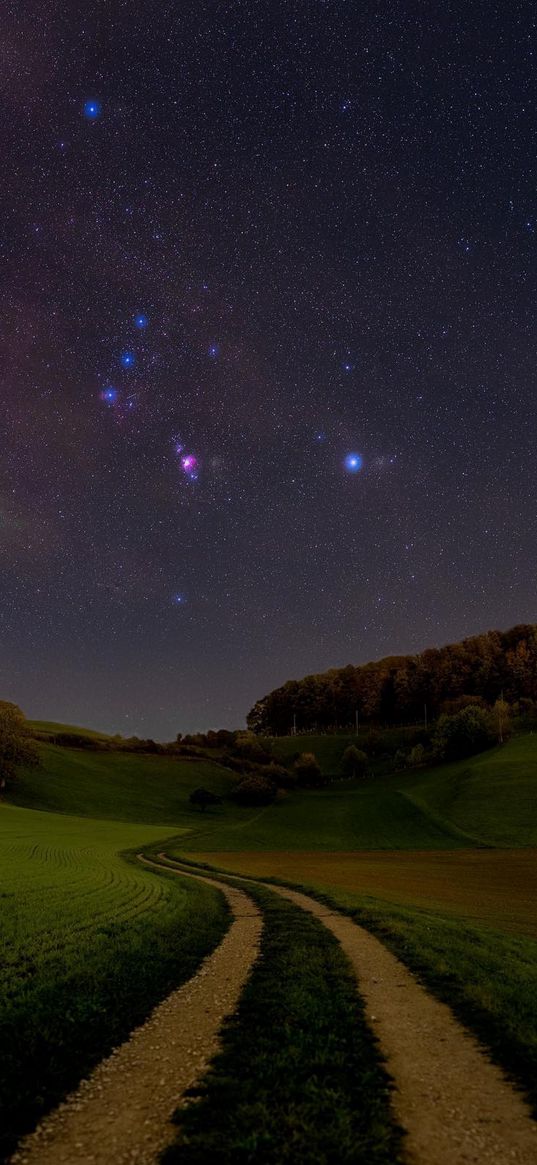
(121,1115)
(455,1105)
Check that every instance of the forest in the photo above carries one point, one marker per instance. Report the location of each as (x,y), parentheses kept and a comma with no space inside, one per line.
(405,689)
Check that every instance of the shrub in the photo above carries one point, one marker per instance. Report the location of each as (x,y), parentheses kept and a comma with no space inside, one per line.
(373,742)
(354,762)
(254,790)
(417,756)
(307,769)
(464,734)
(248,745)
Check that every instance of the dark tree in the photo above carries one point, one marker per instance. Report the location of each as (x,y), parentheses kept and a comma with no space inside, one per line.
(16,749)
(201,798)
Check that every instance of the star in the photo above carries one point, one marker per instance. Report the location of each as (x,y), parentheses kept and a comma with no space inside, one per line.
(92,110)
(109,395)
(127,359)
(353,462)
(141,321)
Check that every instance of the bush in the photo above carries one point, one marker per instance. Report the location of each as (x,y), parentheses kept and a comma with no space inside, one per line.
(373,742)
(354,762)
(307,769)
(417,756)
(278,774)
(254,790)
(400,760)
(464,734)
(248,745)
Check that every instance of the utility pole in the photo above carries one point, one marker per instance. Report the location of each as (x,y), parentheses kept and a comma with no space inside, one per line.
(293,730)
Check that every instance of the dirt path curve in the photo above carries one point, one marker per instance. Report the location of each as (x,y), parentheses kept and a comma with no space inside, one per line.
(456,1107)
(122,1113)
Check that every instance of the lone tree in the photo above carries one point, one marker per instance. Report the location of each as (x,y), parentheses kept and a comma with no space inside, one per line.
(15,747)
(203,797)
(354,762)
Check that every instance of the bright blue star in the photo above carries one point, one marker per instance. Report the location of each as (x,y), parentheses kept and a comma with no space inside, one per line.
(347,367)
(214,351)
(178,600)
(109,394)
(353,462)
(92,110)
(141,321)
(127,359)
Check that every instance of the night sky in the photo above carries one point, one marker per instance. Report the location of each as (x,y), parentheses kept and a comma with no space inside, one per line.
(268,345)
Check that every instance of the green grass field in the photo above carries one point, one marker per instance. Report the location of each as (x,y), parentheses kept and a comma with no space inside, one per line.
(90,942)
(119,786)
(487,800)
(439,862)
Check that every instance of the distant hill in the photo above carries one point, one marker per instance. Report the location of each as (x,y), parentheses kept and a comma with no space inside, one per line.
(489,800)
(396,689)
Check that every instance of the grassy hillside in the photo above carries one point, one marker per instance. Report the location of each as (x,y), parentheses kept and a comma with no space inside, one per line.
(51,728)
(493,797)
(118,786)
(78,924)
(488,800)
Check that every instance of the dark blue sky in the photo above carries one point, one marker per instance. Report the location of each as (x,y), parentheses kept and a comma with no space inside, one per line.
(327,214)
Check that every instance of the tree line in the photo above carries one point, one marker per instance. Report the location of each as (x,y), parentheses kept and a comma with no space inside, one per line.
(398,689)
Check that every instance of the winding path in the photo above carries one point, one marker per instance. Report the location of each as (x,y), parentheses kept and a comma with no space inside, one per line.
(122,1113)
(455,1105)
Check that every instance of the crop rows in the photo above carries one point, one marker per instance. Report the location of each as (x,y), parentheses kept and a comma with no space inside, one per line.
(79,925)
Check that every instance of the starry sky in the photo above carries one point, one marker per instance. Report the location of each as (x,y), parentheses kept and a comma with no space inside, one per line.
(268,345)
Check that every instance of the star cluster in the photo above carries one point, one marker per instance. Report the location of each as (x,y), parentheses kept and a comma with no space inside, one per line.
(268,346)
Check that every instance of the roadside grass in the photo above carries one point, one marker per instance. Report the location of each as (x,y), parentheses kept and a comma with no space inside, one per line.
(487,977)
(90,944)
(300,1078)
